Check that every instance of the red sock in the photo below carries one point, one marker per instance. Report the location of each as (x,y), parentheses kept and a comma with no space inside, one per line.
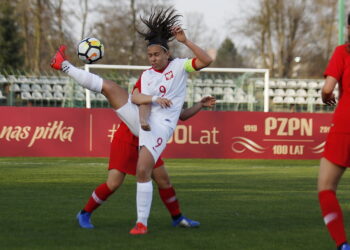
(332,215)
(169,199)
(100,194)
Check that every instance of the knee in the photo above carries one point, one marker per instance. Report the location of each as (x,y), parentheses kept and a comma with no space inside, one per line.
(142,173)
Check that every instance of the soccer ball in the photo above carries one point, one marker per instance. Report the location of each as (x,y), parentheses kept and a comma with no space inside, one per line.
(90,50)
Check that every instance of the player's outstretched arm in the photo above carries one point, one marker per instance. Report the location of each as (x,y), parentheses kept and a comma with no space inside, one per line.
(328,97)
(139,98)
(207,102)
(203,59)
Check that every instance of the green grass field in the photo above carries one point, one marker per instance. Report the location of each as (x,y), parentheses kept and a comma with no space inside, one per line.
(241,204)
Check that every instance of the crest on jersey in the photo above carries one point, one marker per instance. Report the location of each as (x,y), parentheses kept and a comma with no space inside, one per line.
(169,75)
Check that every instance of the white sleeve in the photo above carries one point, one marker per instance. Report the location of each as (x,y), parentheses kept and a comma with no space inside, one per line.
(145,90)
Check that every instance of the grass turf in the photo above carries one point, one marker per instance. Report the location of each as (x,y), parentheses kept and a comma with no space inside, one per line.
(241,204)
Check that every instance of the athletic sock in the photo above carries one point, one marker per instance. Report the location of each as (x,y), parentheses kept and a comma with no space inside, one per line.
(169,199)
(144,201)
(332,216)
(86,79)
(100,194)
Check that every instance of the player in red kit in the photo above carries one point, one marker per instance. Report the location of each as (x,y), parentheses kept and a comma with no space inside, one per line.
(123,160)
(336,156)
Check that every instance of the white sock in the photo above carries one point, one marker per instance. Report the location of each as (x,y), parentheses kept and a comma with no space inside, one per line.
(144,201)
(86,79)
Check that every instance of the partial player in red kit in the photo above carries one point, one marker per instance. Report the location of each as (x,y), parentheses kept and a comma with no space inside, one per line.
(123,160)
(336,157)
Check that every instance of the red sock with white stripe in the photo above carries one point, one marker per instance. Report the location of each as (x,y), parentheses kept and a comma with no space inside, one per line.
(332,215)
(169,199)
(100,194)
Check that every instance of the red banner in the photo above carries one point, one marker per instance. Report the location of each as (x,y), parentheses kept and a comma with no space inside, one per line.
(74,132)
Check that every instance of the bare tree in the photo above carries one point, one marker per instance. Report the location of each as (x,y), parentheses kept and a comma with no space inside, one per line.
(84,15)
(43,25)
(22,11)
(133,32)
(38,9)
(322,40)
(281,30)
(60,15)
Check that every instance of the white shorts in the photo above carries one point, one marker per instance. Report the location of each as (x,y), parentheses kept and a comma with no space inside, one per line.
(129,114)
(156,139)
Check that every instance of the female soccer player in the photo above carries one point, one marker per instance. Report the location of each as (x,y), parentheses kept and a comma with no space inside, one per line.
(164,85)
(123,160)
(336,157)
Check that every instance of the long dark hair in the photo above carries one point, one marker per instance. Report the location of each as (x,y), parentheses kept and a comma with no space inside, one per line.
(159,25)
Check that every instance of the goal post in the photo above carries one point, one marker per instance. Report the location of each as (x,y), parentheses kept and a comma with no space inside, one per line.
(232,86)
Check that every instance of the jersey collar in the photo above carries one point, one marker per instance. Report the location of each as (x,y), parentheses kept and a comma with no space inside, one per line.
(162,70)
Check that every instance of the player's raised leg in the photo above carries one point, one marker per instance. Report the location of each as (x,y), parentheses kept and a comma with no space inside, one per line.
(99,196)
(116,95)
(168,196)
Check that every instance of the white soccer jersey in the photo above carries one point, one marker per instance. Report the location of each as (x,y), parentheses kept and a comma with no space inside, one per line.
(171,84)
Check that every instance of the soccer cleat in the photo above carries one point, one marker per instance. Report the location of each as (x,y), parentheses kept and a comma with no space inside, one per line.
(344,246)
(56,61)
(84,220)
(139,229)
(185,222)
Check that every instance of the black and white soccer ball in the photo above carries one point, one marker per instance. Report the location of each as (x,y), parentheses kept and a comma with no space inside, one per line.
(90,50)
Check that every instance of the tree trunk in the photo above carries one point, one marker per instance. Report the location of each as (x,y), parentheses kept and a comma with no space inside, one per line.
(38,34)
(25,26)
(132,32)
(330,30)
(84,18)
(269,38)
(279,24)
(59,13)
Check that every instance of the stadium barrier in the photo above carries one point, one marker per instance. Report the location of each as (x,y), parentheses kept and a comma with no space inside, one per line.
(77,132)
(234,89)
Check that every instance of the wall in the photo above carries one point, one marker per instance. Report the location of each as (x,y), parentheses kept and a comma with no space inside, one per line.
(75,132)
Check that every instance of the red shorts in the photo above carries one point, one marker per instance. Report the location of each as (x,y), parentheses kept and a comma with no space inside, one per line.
(337,149)
(123,157)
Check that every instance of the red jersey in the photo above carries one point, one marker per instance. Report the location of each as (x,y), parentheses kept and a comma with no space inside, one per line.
(339,68)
